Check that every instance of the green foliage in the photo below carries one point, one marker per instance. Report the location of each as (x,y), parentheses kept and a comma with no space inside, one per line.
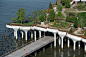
(63,2)
(59,7)
(82,19)
(20,15)
(70,18)
(50,6)
(54,23)
(62,25)
(71,14)
(67,4)
(80,7)
(51,15)
(85,33)
(36,15)
(71,30)
(42,18)
(29,18)
(59,15)
(76,24)
(56,3)
(13,19)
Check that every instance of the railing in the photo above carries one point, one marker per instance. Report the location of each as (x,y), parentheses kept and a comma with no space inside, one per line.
(17,48)
(21,47)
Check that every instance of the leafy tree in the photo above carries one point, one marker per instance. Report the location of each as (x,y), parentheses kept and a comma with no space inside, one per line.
(42,18)
(63,2)
(13,19)
(59,15)
(71,30)
(59,7)
(76,24)
(54,23)
(34,15)
(50,6)
(29,18)
(68,18)
(67,4)
(51,15)
(20,15)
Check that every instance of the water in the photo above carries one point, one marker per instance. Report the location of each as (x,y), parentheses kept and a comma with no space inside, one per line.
(58,52)
(8,9)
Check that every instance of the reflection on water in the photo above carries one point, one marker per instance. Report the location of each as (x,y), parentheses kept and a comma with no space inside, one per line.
(9,43)
(51,52)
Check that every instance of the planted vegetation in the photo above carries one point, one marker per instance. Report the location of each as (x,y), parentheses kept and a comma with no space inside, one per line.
(82,19)
(80,7)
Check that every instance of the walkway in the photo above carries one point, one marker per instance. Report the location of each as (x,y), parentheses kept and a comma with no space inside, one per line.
(76,32)
(32,47)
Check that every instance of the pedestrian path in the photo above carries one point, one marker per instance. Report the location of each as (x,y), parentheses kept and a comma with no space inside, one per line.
(32,47)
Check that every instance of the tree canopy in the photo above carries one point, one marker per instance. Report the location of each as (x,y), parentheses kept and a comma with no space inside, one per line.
(42,18)
(20,15)
(59,15)
(13,19)
(51,15)
(66,3)
(59,7)
(50,6)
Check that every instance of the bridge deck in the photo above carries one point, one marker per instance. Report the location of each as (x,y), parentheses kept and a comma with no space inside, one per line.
(31,47)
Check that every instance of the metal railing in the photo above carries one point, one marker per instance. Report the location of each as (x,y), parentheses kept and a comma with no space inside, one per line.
(20,47)
(16,49)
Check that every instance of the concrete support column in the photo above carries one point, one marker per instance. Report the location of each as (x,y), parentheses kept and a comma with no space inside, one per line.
(39,34)
(15,33)
(44,34)
(35,53)
(62,43)
(79,44)
(54,40)
(54,53)
(51,45)
(25,35)
(68,43)
(44,49)
(59,41)
(85,47)
(35,35)
(74,45)
(22,34)
(31,34)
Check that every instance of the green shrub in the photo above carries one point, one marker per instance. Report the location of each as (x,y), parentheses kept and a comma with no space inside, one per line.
(76,24)
(85,33)
(71,14)
(71,30)
(54,23)
(50,6)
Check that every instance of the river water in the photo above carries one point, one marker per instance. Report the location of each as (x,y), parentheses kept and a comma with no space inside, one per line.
(8,9)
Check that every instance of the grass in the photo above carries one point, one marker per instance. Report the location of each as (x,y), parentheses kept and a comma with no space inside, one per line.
(80,7)
(67,13)
(26,24)
(62,25)
(69,9)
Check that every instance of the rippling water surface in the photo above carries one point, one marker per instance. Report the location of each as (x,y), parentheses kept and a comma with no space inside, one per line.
(8,9)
